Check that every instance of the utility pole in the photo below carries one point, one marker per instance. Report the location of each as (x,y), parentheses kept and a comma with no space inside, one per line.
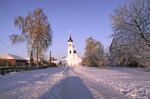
(50,58)
(31,59)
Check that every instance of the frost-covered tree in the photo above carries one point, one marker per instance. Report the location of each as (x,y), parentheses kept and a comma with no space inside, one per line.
(106,58)
(131,26)
(94,53)
(122,54)
(133,20)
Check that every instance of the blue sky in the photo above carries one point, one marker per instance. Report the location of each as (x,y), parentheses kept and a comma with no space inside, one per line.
(84,18)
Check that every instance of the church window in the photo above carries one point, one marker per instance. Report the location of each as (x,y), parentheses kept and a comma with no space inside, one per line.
(70,51)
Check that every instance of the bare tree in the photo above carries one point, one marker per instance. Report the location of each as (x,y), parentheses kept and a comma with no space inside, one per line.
(45,42)
(33,27)
(44,34)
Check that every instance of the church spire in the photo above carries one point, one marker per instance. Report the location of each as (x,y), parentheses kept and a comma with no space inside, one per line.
(70,39)
(70,34)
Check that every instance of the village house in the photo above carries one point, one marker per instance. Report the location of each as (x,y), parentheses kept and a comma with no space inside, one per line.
(55,61)
(13,60)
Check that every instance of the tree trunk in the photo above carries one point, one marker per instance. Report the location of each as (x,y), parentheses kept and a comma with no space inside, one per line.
(31,57)
(41,56)
(37,58)
(143,37)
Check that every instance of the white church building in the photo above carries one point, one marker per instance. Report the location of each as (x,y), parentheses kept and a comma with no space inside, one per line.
(72,58)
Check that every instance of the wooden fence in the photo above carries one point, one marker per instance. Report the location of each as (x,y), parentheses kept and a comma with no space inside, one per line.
(7,69)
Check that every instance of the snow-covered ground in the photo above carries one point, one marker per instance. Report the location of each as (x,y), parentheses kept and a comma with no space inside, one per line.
(76,83)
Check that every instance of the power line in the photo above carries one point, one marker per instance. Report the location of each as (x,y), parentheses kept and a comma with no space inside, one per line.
(8,45)
(3,4)
(6,14)
(4,37)
(6,11)
(2,42)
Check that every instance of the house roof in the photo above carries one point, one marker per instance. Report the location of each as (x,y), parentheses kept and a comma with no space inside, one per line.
(11,56)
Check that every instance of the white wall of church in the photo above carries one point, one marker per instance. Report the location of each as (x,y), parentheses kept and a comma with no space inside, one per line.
(72,58)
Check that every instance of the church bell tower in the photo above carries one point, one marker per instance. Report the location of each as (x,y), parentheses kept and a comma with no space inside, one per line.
(70,51)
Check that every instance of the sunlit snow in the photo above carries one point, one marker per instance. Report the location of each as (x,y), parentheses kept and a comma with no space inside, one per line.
(76,83)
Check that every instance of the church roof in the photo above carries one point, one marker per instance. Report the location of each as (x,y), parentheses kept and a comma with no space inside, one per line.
(70,39)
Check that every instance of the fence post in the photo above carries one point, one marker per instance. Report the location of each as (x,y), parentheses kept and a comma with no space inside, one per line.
(2,72)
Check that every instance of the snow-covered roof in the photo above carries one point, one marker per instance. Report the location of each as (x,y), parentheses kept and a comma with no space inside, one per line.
(34,59)
(27,58)
(10,56)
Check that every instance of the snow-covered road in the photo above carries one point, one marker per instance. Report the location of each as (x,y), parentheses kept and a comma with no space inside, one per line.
(76,83)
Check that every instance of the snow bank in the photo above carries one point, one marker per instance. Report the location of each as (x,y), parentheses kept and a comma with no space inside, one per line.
(31,84)
(129,81)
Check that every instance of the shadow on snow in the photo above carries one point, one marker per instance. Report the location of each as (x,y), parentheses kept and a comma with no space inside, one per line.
(70,88)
